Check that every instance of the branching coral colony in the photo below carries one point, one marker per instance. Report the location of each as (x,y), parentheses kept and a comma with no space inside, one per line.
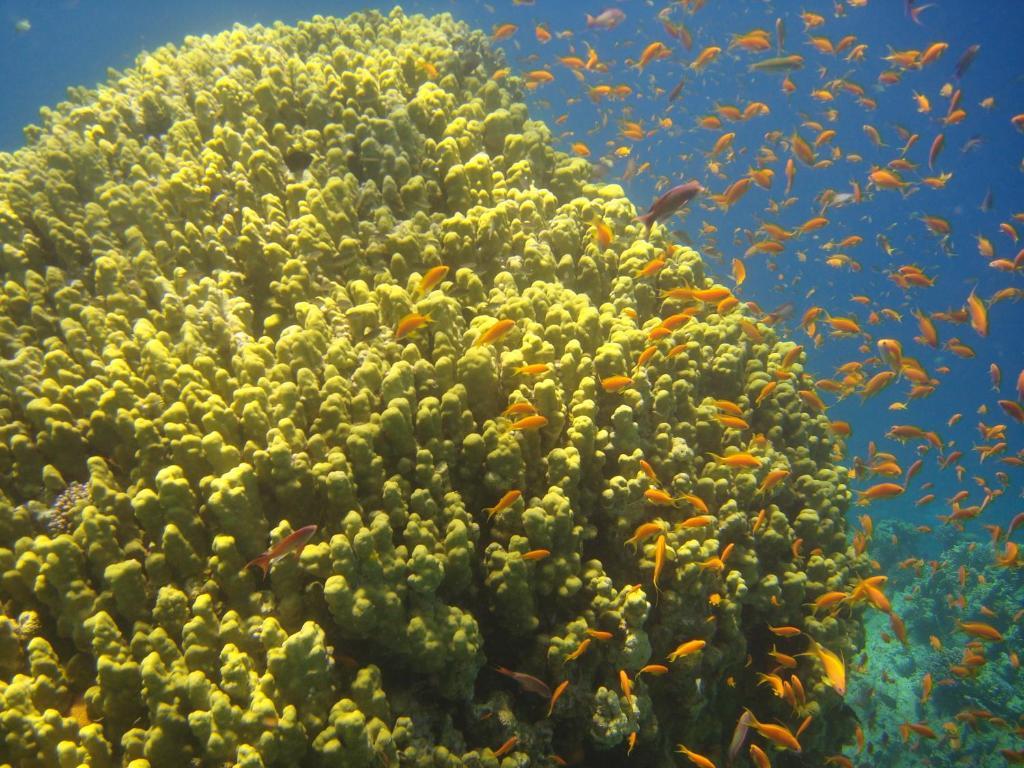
(207,263)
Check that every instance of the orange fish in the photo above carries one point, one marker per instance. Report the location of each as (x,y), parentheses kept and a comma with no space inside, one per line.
(759,757)
(580,650)
(509,745)
(881,491)
(981,630)
(433,276)
(293,542)
(835,669)
(504,31)
(534,369)
(654,51)
(529,423)
(659,560)
(697,759)
(978,313)
(616,383)
(495,332)
(926,687)
(777,734)
(653,669)
(739,460)
(519,409)
(686,649)
(785,631)
(410,323)
(705,57)
(556,695)
(504,503)
(602,232)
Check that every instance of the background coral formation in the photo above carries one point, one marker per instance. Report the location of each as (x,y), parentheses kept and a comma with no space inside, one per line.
(204,260)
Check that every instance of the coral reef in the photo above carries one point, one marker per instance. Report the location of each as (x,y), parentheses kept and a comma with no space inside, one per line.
(206,261)
(943,678)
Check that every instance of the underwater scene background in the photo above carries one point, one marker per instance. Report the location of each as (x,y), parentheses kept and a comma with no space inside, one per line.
(350,417)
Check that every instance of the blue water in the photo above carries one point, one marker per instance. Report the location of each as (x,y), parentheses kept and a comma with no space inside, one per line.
(73,43)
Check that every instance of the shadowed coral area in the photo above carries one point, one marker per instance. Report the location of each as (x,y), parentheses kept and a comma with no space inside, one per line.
(212,263)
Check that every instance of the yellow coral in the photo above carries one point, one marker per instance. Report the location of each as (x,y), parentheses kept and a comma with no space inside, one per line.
(205,260)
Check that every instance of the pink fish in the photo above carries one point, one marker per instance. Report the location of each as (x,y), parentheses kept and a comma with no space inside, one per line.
(740,734)
(527,682)
(294,542)
(607,19)
(670,202)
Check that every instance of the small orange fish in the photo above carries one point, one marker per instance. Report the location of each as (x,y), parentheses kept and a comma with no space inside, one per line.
(616,383)
(534,369)
(580,650)
(504,503)
(686,649)
(778,734)
(738,271)
(556,695)
(504,31)
(495,332)
(509,745)
(626,685)
(433,276)
(739,460)
(529,423)
(410,323)
(697,759)
(536,554)
(772,479)
(519,409)
(705,57)
(981,630)
(293,542)
(759,757)
(659,560)
(654,51)
(645,531)
(835,669)
(653,669)
(880,491)
(978,314)
(602,232)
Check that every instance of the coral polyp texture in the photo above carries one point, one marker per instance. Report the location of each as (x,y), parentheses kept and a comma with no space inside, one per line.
(218,328)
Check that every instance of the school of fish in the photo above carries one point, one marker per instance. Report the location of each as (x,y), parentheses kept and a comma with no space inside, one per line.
(893,346)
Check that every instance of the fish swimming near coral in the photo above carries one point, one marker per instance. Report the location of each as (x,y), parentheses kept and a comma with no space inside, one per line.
(670,202)
(527,682)
(294,542)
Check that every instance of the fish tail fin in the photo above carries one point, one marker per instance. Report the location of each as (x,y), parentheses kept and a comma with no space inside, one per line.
(590,20)
(916,12)
(262,562)
(647,220)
